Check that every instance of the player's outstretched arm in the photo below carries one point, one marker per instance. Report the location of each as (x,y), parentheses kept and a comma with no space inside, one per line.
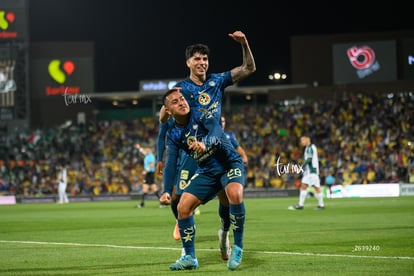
(249,66)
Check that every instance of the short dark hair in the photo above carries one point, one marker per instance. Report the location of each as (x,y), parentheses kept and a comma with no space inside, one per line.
(166,94)
(307,135)
(196,48)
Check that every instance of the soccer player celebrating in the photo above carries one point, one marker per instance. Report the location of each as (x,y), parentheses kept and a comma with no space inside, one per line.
(219,167)
(186,166)
(204,93)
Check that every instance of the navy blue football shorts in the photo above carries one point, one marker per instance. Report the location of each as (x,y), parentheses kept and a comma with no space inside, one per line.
(185,171)
(206,185)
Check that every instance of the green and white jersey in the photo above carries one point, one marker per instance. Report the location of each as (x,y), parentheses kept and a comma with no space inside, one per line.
(311,160)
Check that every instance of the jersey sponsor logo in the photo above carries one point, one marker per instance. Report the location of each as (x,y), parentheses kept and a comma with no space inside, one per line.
(187,134)
(201,156)
(214,106)
(211,111)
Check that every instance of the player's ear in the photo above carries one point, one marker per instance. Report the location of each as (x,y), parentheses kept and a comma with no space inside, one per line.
(167,111)
(163,115)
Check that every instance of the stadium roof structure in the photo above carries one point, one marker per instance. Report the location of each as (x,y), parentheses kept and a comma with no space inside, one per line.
(242,90)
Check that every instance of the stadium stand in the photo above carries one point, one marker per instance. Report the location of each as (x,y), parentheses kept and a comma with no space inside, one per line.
(363,139)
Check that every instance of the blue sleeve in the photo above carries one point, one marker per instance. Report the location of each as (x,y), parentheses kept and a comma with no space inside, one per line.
(170,167)
(215,131)
(233,140)
(161,140)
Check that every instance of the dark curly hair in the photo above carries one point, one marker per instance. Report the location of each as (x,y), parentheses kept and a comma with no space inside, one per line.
(196,48)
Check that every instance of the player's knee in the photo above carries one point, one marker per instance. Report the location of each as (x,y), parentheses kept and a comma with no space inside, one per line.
(184,210)
(234,193)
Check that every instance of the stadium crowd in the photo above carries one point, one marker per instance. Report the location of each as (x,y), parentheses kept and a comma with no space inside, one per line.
(362,139)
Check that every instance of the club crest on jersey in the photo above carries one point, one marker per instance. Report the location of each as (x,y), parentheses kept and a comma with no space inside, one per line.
(183,184)
(191,140)
(204,98)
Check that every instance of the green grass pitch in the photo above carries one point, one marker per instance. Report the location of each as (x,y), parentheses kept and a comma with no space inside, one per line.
(352,236)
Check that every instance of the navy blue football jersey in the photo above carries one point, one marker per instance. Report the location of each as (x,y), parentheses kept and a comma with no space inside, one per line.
(219,153)
(208,97)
